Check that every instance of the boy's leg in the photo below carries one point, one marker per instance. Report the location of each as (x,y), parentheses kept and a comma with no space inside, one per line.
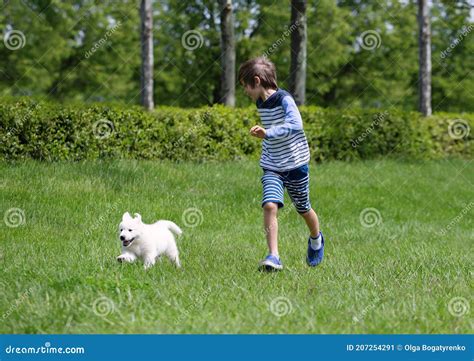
(272,200)
(297,183)
(312,221)
(315,251)
(270,211)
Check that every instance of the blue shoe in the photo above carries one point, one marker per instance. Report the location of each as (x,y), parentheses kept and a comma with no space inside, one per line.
(315,257)
(270,263)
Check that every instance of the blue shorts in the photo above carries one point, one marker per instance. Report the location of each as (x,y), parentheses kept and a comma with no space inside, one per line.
(296,181)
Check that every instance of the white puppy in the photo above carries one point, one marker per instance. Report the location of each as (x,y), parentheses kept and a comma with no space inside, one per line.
(147,241)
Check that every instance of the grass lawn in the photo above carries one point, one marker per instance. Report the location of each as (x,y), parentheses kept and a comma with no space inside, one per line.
(388,268)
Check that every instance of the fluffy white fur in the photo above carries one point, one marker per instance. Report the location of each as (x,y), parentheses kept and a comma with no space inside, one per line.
(147,241)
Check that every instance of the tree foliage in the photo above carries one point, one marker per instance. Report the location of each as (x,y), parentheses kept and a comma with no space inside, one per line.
(88,50)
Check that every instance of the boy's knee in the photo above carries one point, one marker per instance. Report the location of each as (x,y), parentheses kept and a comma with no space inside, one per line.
(270,207)
(305,213)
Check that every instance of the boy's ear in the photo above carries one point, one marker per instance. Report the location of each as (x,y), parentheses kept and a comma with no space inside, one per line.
(256,80)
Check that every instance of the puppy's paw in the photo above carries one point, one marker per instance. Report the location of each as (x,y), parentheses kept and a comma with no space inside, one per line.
(124,258)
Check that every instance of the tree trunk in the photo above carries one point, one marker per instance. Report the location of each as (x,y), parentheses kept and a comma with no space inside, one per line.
(424,41)
(298,51)
(146,76)
(227,93)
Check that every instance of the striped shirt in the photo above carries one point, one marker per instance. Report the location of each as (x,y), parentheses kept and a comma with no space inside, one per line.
(285,146)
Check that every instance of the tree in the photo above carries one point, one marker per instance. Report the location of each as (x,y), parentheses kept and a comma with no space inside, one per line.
(424,41)
(452,44)
(298,51)
(227,95)
(358,53)
(146,80)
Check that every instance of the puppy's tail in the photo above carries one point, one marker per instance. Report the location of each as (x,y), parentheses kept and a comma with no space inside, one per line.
(172,227)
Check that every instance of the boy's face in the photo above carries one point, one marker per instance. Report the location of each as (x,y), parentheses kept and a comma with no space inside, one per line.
(253,92)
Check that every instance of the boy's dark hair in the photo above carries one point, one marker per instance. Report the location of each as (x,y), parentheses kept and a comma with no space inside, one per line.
(261,67)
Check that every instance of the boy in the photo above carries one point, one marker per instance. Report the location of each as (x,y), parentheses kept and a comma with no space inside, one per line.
(284,159)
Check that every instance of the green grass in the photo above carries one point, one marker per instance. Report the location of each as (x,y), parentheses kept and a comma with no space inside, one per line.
(60,274)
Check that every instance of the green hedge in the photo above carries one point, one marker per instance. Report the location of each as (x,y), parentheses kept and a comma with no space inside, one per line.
(50,131)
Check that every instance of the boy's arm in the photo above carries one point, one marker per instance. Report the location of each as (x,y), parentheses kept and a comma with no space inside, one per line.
(293,122)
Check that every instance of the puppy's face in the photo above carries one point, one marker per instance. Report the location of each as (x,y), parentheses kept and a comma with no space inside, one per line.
(129,229)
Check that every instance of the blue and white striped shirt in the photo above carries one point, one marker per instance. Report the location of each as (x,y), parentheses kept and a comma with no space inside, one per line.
(285,146)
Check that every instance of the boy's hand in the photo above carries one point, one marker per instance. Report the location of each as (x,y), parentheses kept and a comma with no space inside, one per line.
(258,131)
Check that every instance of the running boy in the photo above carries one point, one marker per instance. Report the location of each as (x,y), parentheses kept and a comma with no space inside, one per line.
(284,159)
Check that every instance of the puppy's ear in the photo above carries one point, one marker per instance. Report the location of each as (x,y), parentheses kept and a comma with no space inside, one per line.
(126,216)
(138,216)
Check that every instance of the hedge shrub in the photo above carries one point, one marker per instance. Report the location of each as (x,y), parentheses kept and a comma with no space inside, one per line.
(51,131)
